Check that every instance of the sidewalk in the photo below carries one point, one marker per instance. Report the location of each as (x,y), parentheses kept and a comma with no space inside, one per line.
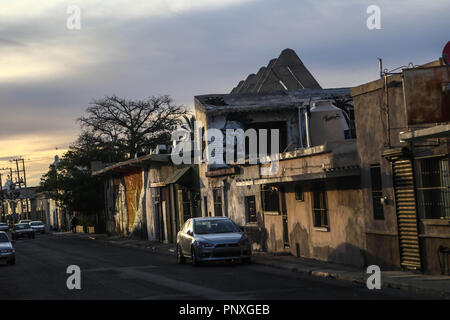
(433,285)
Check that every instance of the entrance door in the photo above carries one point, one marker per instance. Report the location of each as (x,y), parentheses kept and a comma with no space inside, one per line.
(284,217)
(405,202)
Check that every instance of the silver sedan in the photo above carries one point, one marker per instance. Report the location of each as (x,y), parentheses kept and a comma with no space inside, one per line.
(212,239)
(7,252)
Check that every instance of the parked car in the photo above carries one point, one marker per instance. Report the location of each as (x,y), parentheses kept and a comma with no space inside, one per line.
(7,252)
(24,221)
(4,226)
(22,230)
(37,226)
(212,239)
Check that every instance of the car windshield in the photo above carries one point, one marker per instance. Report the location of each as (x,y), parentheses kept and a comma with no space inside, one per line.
(3,238)
(21,226)
(36,223)
(215,226)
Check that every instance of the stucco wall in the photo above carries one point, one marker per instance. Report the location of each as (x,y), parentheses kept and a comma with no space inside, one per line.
(344,241)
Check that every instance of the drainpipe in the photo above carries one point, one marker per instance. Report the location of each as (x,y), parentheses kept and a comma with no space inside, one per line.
(300,126)
(308,135)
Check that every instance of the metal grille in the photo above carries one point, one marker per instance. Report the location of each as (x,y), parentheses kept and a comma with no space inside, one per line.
(434,193)
(406,214)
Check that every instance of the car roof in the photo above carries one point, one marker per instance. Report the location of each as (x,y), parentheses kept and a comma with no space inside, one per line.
(210,218)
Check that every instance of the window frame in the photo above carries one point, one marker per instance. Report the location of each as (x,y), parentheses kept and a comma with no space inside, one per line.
(376,191)
(320,190)
(216,203)
(443,189)
(274,209)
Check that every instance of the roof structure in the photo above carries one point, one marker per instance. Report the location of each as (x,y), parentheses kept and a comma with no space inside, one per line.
(269,101)
(126,166)
(287,72)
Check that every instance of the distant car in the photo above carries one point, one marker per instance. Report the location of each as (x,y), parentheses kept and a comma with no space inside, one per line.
(212,239)
(7,252)
(37,226)
(24,221)
(22,230)
(4,226)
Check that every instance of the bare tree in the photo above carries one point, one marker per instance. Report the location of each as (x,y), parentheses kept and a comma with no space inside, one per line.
(134,125)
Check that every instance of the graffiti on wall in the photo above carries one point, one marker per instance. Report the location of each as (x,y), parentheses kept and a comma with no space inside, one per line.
(133,187)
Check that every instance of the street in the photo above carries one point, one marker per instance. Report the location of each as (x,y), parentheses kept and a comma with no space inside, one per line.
(109,271)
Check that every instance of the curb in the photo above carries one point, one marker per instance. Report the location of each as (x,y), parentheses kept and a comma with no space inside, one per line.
(346,276)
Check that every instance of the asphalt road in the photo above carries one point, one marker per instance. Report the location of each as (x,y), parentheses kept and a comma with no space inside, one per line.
(109,271)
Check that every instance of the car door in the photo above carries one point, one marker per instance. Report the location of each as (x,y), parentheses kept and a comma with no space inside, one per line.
(187,238)
(182,236)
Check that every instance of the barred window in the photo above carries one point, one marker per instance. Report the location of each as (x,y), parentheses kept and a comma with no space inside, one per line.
(270,195)
(377,192)
(320,212)
(433,193)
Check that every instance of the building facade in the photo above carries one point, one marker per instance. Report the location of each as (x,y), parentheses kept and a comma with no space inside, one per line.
(404,174)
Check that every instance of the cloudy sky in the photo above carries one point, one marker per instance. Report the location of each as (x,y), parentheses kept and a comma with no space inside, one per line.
(139,48)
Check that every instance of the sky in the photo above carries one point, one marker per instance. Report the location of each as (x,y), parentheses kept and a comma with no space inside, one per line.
(138,48)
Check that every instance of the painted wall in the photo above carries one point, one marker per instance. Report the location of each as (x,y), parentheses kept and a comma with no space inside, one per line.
(125,202)
(343,242)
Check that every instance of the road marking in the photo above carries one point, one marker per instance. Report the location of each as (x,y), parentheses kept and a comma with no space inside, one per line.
(178,285)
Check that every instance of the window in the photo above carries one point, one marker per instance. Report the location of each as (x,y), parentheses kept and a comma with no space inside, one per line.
(250,208)
(434,197)
(282,131)
(377,192)
(299,195)
(270,195)
(320,214)
(186,196)
(217,195)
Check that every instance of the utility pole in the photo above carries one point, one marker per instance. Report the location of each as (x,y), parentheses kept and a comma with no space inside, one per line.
(2,194)
(21,183)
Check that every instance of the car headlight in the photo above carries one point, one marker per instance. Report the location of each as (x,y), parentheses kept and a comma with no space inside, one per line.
(205,244)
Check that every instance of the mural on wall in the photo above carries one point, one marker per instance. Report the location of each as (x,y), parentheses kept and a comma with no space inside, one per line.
(133,187)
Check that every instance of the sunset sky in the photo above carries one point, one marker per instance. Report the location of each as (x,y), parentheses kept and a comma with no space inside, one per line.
(139,48)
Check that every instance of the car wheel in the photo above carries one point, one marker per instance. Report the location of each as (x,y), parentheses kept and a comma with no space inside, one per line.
(180,258)
(194,259)
(12,262)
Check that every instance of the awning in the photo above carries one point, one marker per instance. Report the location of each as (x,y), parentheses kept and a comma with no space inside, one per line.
(439,131)
(178,176)
(328,174)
